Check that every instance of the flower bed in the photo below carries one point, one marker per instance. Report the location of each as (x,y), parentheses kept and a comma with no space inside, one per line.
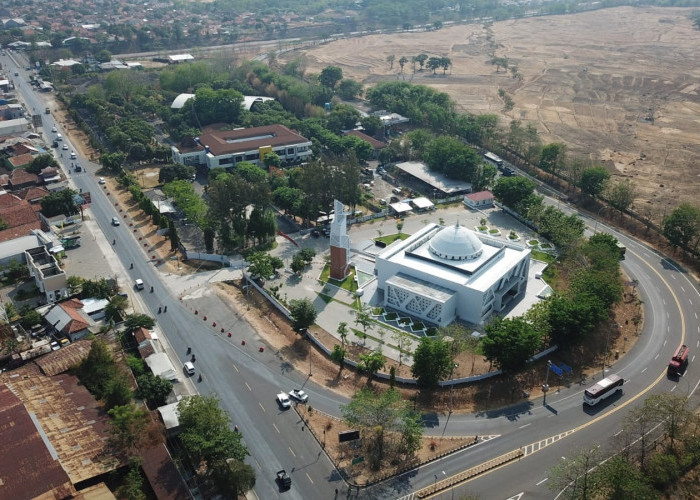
(431,332)
(405,321)
(533,243)
(392,316)
(378,311)
(482,229)
(494,232)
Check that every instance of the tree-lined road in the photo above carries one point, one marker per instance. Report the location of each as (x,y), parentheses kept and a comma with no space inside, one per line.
(247,380)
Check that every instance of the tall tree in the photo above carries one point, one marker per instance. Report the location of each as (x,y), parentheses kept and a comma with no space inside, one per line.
(206,432)
(303,313)
(432,361)
(553,158)
(621,194)
(330,76)
(127,429)
(682,227)
(234,478)
(594,181)
(402,62)
(379,416)
(509,343)
(371,363)
(576,474)
(390,60)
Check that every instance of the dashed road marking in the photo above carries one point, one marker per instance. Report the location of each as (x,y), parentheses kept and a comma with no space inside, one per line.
(292,451)
(537,484)
(261,406)
(246,384)
(235,368)
(278,431)
(307,475)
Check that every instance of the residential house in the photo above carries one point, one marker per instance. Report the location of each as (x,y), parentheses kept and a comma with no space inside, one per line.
(478,200)
(20,179)
(16,163)
(19,216)
(69,319)
(377,146)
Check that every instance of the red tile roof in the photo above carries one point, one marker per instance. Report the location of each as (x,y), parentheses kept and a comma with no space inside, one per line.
(34,194)
(18,215)
(77,322)
(142,334)
(480,196)
(21,178)
(9,200)
(223,142)
(374,142)
(26,466)
(20,160)
(16,232)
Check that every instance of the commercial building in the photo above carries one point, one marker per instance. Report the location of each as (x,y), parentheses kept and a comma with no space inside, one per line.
(217,148)
(441,274)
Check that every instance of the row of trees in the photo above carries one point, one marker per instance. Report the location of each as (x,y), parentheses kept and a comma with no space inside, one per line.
(658,445)
(423,60)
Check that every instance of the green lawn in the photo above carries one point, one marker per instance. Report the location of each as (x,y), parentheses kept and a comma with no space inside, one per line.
(543,256)
(347,284)
(390,238)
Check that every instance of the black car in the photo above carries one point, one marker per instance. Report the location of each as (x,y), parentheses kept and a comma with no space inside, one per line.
(315,233)
(78,168)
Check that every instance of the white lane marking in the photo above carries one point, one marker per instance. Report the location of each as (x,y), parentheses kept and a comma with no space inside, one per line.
(644,370)
(246,384)
(617,433)
(682,288)
(278,431)
(673,388)
(665,342)
(656,357)
(691,302)
(235,368)
(261,406)
(292,451)
(537,484)
(307,475)
(664,301)
(523,426)
(693,358)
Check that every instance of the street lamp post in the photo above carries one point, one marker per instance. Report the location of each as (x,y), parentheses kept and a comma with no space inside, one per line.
(545,386)
(607,340)
(597,215)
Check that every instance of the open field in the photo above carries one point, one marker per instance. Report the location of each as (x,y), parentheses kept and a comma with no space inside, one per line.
(591,80)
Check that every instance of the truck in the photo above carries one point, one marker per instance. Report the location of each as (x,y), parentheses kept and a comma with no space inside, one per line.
(284,480)
(679,361)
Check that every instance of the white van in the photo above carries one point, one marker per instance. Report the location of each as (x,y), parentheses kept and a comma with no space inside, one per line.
(139,284)
(59,137)
(73,156)
(397,190)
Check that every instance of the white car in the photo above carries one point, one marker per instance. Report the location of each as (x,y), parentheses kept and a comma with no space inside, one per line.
(115,221)
(283,400)
(53,129)
(299,395)
(64,147)
(189,368)
(102,180)
(55,346)
(73,156)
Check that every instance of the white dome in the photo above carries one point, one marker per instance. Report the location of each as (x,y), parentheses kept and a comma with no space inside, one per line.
(456,243)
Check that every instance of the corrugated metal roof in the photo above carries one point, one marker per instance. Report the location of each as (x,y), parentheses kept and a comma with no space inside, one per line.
(27,469)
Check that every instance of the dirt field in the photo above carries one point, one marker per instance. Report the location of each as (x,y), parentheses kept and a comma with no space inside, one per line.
(590,80)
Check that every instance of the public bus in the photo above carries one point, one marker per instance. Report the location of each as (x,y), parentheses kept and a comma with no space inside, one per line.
(494,159)
(603,389)
(622,249)
(679,361)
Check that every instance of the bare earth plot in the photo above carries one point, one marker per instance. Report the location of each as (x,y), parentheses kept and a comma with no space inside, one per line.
(590,80)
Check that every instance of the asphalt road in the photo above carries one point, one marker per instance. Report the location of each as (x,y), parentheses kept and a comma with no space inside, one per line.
(247,383)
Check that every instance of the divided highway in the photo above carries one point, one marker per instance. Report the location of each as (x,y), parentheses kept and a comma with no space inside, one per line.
(247,380)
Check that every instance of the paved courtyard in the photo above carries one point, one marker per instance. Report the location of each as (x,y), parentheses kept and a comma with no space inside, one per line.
(363,251)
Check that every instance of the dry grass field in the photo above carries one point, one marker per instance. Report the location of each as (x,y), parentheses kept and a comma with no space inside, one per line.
(590,80)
